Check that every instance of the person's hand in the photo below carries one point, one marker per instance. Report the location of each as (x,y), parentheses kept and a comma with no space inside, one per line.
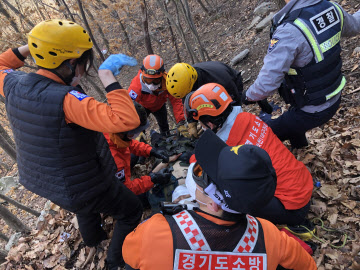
(192,129)
(182,129)
(265,106)
(173,158)
(157,154)
(162,177)
(244,99)
(116,61)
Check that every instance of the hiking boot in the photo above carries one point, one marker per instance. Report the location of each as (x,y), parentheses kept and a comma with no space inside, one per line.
(304,231)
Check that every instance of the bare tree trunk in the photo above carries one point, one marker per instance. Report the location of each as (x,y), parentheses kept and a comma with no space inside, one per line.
(203,7)
(68,11)
(12,220)
(4,237)
(173,40)
(17,12)
(6,136)
(189,19)
(178,29)
(9,18)
(146,28)
(46,5)
(116,16)
(19,205)
(38,10)
(7,148)
(3,255)
(106,42)
(44,9)
(89,30)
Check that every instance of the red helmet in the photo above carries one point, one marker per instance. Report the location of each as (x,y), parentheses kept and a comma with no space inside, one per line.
(153,66)
(210,99)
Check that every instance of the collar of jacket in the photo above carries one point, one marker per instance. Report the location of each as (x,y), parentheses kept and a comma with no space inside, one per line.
(291,7)
(118,142)
(224,132)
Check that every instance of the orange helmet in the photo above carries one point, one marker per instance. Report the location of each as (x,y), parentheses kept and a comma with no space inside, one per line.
(153,66)
(210,99)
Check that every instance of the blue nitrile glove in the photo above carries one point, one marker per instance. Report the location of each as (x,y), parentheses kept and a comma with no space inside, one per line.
(116,61)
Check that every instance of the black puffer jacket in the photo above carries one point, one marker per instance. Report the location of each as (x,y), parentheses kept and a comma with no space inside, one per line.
(66,164)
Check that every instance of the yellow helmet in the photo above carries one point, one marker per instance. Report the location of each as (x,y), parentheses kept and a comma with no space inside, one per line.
(180,79)
(52,42)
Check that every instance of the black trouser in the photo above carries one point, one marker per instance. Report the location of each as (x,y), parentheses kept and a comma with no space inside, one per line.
(293,124)
(118,202)
(276,213)
(161,118)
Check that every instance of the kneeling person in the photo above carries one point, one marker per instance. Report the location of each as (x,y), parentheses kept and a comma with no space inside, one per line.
(219,235)
(211,104)
(122,146)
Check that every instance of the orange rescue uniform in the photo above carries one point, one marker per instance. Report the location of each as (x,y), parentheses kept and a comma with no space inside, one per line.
(150,246)
(294,181)
(120,115)
(154,102)
(122,157)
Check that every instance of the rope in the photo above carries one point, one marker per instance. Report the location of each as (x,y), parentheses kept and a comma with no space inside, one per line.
(328,230)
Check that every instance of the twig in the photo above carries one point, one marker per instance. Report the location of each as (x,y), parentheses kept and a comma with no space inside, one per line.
(352,92)
(19,205)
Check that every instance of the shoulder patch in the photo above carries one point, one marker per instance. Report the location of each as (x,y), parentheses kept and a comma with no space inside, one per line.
(78,95)
(273,43)
(133,94)
(120,175)
(6,70)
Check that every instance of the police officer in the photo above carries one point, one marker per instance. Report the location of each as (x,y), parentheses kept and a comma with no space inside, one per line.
(304,63)
(219,234)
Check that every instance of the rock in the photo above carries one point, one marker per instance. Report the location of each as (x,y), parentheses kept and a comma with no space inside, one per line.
(40,223)
(264,8)
(257,41)
(239,57)
(6,183)
(265,22)
(14,239)
(356,50)
(254,21)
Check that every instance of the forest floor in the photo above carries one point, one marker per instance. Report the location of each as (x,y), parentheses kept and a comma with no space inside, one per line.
(333,154)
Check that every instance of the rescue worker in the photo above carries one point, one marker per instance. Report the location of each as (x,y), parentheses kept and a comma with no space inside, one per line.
(123,145)
(149,89)
(211,105)
(61,152)
(216,236)
(182,78)
(303,62)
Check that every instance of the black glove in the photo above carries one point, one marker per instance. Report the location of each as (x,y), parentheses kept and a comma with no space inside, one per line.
(244,99)
(265,106)
(161,177)
(158,155)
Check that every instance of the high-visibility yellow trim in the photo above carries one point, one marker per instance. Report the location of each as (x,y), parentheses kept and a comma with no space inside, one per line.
(341,14)
(313,42)
(292,72)
(337,91)
(330,43)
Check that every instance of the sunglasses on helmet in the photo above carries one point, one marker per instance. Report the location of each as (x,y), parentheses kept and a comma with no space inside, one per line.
(153,71)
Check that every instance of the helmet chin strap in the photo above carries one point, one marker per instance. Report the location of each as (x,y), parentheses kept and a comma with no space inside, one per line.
(69,78)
